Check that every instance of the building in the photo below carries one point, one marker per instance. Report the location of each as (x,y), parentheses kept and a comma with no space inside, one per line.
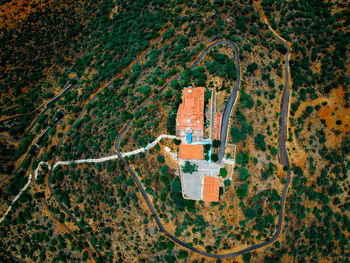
(211,186)
(190,116)
(204,183)
(191,152)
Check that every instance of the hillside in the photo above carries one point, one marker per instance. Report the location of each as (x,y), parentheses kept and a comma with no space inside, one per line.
(86,83)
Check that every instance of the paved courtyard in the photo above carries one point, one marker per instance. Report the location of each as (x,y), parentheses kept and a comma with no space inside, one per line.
(192,184)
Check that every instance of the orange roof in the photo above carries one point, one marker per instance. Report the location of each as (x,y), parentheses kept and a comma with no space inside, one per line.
(191,110)
(211,189)
(190,151)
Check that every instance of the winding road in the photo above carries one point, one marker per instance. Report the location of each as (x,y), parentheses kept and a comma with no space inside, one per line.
(92,98)
(68,87)
(283,156)
(229,106)
(12,256)
(53,124)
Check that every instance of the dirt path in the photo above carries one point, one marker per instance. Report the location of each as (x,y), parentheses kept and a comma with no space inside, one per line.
(16,198)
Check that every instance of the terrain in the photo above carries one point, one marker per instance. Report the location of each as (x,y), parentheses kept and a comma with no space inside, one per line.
(83,81)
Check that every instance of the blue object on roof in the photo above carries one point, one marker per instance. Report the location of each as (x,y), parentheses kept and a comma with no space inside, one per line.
(189,137)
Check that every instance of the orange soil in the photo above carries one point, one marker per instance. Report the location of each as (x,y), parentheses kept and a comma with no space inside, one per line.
(16,11)
(114,11)
(335,104)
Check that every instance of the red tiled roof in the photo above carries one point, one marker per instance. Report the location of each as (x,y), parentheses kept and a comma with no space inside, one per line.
(191,110)
(211,189)
(190,151)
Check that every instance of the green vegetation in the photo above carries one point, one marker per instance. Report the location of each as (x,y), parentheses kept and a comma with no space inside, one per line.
(216,143)
(222,65)
(242,191)
(259,141)
(223,172)
(96,40)
(214,157)
(240,130)
(189,168)
(252,67)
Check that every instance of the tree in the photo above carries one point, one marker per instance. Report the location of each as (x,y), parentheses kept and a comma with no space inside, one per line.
(237,135)
(249,213)
(189,168)
(247,101)
(274,150)
(145,90)
(216,143)
(246,257)
(227,182)
(182,254)
(164,170)
(242,158)
(125,116)
(242,191)
(129,181)
(243,173)
(214,157)
(176,186)
(177,142)
(252,67)
(160,158)
(281,48)
(176,197)
(223,172)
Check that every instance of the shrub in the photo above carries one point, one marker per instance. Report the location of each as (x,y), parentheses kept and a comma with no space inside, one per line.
(259,141)
(242,191)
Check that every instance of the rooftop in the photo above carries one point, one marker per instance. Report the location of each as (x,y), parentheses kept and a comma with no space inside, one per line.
(191,151)
(211,189)
(191,111)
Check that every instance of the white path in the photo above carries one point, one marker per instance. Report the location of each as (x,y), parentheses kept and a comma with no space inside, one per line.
(16,198)
(108,158)
(98,160)
(113,157)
